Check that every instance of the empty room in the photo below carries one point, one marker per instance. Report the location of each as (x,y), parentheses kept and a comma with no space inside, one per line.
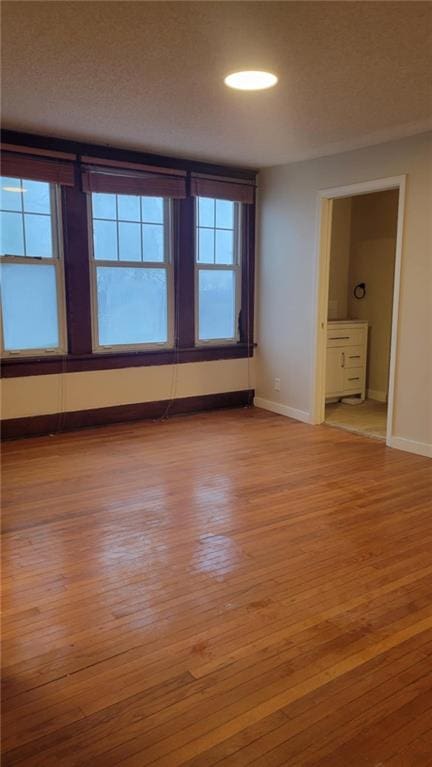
(216,383)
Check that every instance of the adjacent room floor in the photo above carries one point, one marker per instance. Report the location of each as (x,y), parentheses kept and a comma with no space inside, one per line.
(227,588)
(368,417)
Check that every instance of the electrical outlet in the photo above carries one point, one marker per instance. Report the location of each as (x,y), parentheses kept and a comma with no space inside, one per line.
(277,384)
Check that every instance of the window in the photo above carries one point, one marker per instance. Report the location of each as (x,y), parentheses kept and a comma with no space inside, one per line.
(131,271)
(113,259)
(217,265)
(32,303)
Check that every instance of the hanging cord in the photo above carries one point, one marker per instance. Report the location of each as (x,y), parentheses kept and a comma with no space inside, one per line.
(177,301)
(176,355)
(63,240)
(62,221)
(63,372)
(61,398)
(249,258)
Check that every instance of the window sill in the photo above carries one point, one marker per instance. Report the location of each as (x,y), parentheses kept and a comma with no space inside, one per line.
(46,365)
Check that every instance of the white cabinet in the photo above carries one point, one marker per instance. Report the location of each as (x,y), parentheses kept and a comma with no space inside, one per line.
(346,358)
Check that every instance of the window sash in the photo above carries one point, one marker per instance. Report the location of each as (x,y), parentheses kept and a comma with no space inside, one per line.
(236,229)
(166,264)
(234,267)
(237,304)
(57,260)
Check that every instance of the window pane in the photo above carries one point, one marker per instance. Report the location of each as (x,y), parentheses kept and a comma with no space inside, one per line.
(38,235)
(132,305)
(29,305)
(104,205)
(128,207)
(206,211)
(152,209)
(105,240)
(11,200)
(224,246)
(12,238)
(129,242)
(216,304)
(153,242)
(36,197)
(206,246)
(225,214)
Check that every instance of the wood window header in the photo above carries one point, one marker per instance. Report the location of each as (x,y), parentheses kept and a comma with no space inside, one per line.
(37,168)
(53,153)
(115,180)
(222,189)
(123,165)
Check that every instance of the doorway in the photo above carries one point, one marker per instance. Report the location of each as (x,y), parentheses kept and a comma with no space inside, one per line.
(358,296)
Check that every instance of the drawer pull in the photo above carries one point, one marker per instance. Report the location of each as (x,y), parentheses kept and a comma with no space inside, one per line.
(338,338)
(354,356)
(354,379)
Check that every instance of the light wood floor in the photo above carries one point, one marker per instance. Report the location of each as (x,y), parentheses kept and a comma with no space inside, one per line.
(228,588)
(368,417)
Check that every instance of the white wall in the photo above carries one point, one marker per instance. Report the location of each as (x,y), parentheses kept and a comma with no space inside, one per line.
(39,395)
(340,248)
(372,261)
(287,276)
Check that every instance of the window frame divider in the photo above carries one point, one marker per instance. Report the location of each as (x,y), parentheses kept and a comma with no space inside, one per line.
(184,272)
(77,268)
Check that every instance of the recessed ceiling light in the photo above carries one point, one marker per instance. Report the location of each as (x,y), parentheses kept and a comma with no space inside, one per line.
(13,189)
(251,80)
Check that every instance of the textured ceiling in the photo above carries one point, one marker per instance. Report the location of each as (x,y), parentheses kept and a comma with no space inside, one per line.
(149,75)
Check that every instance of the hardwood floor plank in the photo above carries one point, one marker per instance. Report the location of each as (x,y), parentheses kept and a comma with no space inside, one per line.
(227,588)
(373,678)
(418,753)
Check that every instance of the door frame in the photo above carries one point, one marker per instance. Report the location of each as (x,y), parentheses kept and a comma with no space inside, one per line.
(324,218)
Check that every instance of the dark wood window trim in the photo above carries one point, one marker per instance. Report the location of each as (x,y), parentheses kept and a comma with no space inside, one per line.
(77,363)
(184,273)
(77,270)
(77,277)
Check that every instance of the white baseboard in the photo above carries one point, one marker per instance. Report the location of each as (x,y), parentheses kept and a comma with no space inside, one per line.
(399,443)
(379,396)
(410,446)
(289,412)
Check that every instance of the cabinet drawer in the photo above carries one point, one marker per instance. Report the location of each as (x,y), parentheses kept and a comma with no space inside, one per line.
(345,336)
(353,379)
(354,357)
